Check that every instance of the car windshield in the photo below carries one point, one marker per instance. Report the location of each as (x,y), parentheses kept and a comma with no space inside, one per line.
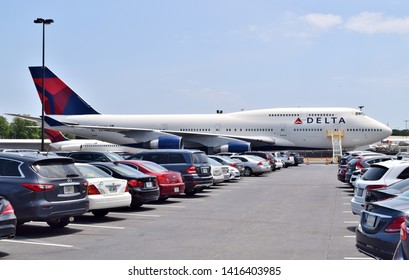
(126,170)
(199,158)
(374,173)
(90,171)
(56,169)
(404,184)
(214,162)
(153,166)
(114,156)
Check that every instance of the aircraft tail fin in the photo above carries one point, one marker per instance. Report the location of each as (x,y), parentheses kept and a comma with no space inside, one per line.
(60,99)
(55,135)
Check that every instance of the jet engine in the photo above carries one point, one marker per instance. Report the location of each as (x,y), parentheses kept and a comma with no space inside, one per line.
(233,147)
(165,142)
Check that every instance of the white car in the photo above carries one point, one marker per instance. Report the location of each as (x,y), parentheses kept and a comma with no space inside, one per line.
(234,173)
(379,175)
(219,171)
(104,191)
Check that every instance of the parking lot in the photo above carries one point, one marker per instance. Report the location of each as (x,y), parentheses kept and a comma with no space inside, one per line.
(296,213)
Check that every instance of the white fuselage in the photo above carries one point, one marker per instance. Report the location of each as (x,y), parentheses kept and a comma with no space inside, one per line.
(306,128)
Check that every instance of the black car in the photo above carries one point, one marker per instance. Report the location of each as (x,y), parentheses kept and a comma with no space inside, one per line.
(8,219)
(143,188)
(43,187)
(377,234)
(192,164)
(298,159)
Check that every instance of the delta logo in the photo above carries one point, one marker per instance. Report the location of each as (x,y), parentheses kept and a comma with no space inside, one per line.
(322,120)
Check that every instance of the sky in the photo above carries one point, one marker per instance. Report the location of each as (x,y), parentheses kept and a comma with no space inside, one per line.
(184,56)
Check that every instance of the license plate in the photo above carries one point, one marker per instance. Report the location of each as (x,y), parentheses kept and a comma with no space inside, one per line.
(359,191)
(205,170)
(68,189)
(113,189)
(370,221)
(176,189)
(148,185)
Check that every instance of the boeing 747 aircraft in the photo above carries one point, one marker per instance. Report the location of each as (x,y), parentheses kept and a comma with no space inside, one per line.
(265,129)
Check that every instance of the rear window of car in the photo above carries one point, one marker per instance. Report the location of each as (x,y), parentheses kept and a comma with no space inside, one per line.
(199,158)
(176,158)
(153,166)
(56,169)
(90,171)
(404,174)
(374,173)
(10,168)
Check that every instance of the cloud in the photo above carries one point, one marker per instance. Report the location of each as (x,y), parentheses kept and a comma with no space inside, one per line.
(323,21)
(371,23)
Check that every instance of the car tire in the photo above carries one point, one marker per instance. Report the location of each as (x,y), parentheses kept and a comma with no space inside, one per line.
(136,205)
(59,223)
(100,213)
(248,171)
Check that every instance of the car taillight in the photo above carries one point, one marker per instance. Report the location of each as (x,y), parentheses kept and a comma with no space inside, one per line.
(7,210)
(403,232)
(259,163)
(372,187)
(358,164)
(135,183)
(395,225)
(233,165)
(92,189)
(191,170)
(39,187)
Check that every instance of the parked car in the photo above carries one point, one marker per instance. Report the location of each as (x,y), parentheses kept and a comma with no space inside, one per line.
(170,182)
(379,175)
(402,249)
(192,164)
(348,156)
(104,191)
(361,164)
(43,188)
(388,192)
(286,158)
(298,159)
(227,160)
(377,234)
(8,220)
(253,165)
(266,155)
(84,156)
(219,171)
(143,188)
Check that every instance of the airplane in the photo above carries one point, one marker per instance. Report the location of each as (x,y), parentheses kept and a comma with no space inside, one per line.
(58,142)
(264,129)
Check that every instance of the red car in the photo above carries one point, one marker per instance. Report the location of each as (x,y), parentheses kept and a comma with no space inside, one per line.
(170,182)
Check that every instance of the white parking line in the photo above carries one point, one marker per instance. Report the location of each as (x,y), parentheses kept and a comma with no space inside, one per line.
(349,236)
(358,258)
(164,206)
(351,222)
(36,243)
(136,214)
(94,226)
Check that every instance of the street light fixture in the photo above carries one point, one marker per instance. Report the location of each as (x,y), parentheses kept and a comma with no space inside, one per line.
(43,22)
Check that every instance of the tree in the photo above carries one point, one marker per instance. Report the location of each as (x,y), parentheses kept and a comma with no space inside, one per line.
(24,129)
(4,128)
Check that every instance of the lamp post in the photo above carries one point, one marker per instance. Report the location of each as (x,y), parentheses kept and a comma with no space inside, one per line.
(43,22)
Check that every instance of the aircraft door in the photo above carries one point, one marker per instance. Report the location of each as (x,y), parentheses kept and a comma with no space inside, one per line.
(283,130)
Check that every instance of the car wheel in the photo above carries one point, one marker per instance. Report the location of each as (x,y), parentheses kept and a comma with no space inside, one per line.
(100,213)
(248,171)
(136,205)
(59,223)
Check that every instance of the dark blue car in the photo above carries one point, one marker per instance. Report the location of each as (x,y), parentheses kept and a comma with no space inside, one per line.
(8,220)
(377,234)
